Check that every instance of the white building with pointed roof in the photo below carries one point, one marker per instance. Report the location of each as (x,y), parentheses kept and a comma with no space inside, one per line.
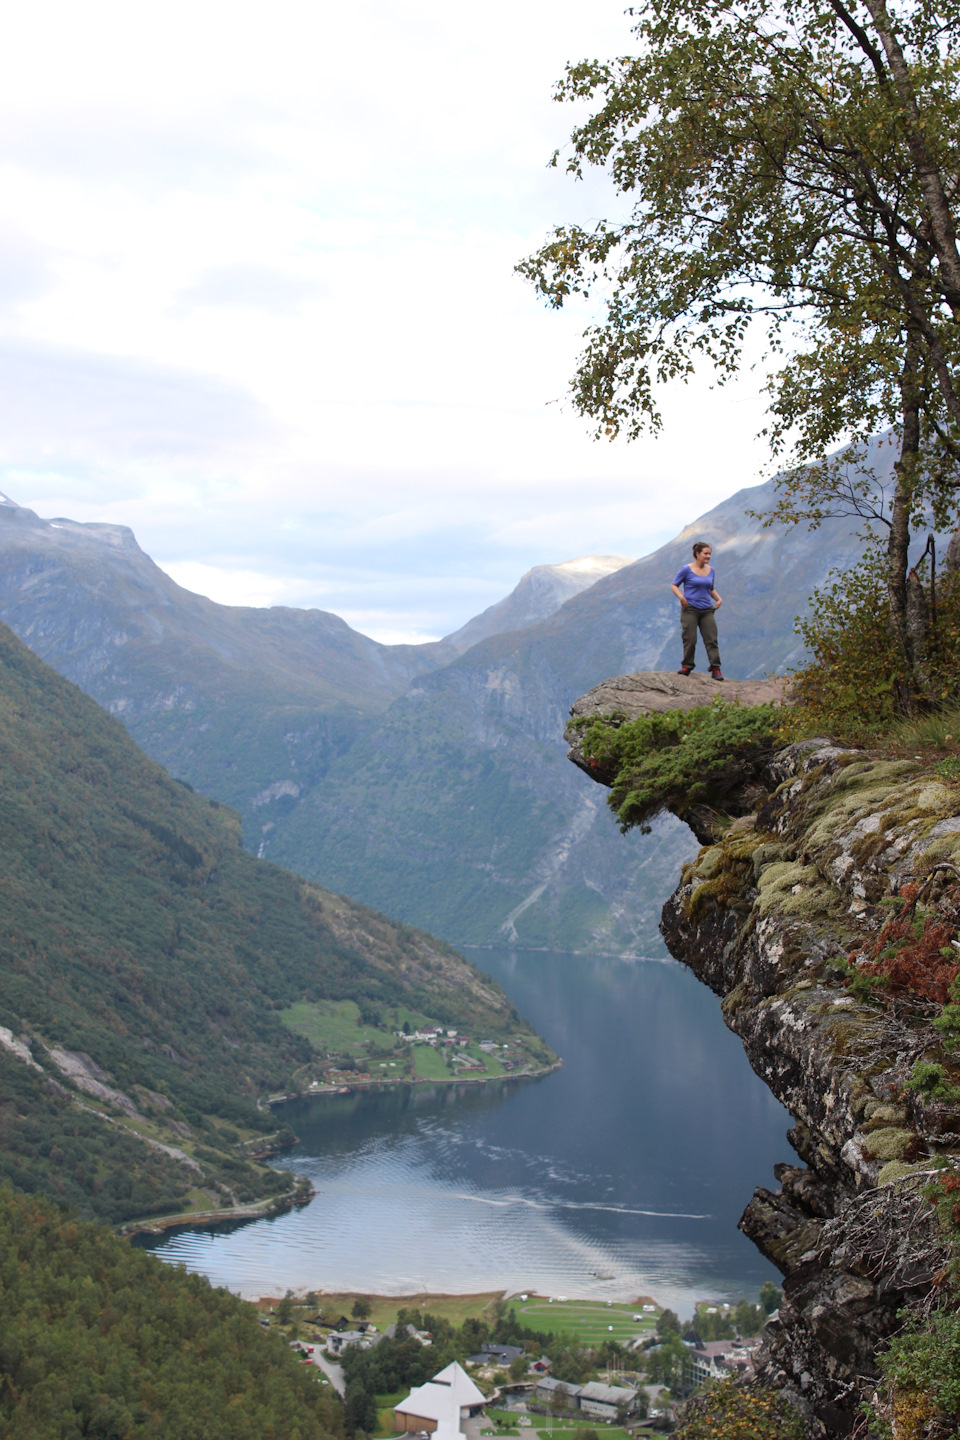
(438,1406)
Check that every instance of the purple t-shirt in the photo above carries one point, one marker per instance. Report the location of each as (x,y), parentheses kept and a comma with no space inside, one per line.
(696,588)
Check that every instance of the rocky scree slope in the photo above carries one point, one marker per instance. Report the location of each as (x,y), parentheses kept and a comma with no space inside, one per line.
(840,863)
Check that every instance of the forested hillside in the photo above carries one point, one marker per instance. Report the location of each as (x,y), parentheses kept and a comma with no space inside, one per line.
(147,962)
(99,1339)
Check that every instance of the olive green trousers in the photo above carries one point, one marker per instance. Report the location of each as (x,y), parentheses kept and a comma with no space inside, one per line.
(692,620)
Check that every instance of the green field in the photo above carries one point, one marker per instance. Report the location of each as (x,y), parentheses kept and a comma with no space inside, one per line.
(505,1423)
(567,1431)
(429,1063)
(384,1308)
(333,1025)
(593,1321)
(493,1065)
(386,1424)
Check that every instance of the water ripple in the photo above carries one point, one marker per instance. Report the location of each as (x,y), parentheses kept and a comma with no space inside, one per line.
(622,1174)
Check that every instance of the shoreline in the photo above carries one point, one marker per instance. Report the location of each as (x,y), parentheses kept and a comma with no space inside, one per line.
(589,954)
(266,1209)
(389,1083)
(423,1299)
(204,1219)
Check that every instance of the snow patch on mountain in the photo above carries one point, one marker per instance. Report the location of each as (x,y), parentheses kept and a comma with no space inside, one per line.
(539,593)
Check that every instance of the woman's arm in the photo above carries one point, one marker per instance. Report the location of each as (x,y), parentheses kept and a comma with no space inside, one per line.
(680,596)
(716,598)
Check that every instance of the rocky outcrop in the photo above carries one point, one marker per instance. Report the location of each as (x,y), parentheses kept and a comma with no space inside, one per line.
(651,692)
(846,864)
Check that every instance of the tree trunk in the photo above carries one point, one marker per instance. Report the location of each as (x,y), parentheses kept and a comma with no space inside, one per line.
(917,629)
(898,546)
(951,560)
(908,603)
(928,175)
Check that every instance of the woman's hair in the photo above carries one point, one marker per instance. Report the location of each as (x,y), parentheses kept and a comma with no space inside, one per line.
(699,545)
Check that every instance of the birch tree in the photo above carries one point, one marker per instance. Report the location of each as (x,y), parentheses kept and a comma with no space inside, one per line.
(794,167)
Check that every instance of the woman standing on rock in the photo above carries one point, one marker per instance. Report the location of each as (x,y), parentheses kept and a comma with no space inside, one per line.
(699,602)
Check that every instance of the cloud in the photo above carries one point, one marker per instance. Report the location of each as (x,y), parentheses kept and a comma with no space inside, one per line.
(25,270)
(96,144)
(254,287)
(259,302)
(235,586)
(77,409)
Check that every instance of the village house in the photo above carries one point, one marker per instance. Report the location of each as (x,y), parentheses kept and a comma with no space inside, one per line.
(719,1359)
(553,1393)
(439,1407)
(467,1062)
(607,1402)
(424,1336)
(340,1340)
(502,1354)
(429,1035)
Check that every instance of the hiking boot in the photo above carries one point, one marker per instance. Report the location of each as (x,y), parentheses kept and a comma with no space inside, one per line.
(715,672)
(685,670)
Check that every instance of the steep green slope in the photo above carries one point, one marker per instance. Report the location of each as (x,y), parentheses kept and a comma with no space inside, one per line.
(457,807)
(145,958)
(99,1339)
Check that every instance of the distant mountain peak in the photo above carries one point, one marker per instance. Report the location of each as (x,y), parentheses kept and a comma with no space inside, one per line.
(594,565)
(5,500)
(538,594)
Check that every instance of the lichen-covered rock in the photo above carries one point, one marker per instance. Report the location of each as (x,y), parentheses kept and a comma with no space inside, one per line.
(839,845)
(839,837)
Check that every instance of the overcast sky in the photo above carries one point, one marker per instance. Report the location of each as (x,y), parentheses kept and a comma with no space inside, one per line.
(257,301)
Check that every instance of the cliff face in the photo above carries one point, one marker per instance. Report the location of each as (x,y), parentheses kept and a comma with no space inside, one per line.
(835,856)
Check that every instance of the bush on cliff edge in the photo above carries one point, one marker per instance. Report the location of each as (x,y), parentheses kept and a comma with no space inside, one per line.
(727,1411)
(856,686)
(681,758)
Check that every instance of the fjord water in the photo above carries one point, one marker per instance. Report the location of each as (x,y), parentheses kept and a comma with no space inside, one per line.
(621,1174)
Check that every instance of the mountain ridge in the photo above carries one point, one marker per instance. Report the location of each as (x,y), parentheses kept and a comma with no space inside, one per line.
(537,594)
(249,704)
